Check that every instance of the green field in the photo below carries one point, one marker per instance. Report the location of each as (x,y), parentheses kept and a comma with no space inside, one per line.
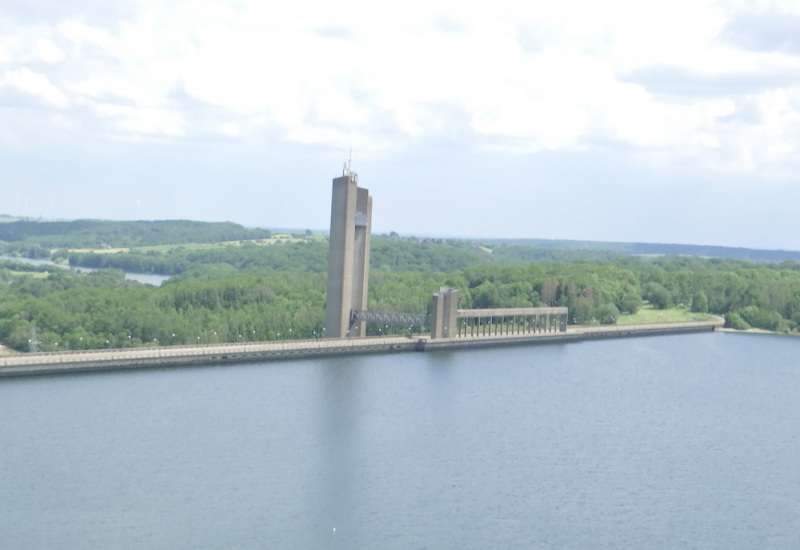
(164,248)
(647,314)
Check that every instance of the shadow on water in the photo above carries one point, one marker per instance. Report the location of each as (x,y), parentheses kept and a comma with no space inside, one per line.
(341,449)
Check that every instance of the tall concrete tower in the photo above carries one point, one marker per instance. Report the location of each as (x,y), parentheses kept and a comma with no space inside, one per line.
(348,256)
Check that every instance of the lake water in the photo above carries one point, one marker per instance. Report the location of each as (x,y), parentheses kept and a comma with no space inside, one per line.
(147,278)
(663,442)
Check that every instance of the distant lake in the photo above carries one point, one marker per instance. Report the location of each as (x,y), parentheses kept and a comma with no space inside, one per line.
(688,441)
(147,278)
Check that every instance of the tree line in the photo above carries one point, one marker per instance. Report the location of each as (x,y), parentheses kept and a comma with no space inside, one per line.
(278,292)
(33,239)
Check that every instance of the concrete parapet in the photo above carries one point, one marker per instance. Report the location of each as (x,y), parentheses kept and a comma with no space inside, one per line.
(135,358)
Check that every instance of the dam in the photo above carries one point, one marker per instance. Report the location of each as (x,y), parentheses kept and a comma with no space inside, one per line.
(218,354)
(347,314)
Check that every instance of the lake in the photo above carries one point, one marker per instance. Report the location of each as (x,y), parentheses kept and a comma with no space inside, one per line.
(146,278)
(687,441)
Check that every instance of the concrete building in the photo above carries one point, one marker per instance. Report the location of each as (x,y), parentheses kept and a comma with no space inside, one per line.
(348,256)
(346,312)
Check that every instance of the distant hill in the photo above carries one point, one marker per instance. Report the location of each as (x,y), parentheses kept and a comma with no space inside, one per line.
(117,234)
(34,237)
(736,253)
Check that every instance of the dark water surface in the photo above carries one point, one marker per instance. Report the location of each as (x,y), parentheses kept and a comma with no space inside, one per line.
(663,442)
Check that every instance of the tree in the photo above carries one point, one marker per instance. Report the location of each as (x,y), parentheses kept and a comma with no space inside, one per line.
(607,314)
(548,292)
(734,321)
(658,296)
(760,318)
(630,303)
(700,302)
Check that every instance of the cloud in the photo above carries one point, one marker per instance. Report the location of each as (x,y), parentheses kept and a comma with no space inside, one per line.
(138,121)
(449,25)
(747,111)
(334,32)
(36,12)
(321,74)
(769,31)
(568,77)
(34,85)
(533,38)
(683,81)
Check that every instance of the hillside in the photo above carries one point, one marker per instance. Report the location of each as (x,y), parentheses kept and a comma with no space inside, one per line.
(633,248)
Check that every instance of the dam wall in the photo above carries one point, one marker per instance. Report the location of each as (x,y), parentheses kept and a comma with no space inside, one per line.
(26,364)
(576,334)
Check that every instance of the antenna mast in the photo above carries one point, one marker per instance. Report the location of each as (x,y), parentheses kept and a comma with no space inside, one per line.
(346,169)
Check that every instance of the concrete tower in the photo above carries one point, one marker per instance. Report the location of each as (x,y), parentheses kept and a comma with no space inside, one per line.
(348,256)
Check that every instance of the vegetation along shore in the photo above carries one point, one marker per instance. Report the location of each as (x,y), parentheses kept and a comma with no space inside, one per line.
(232,284)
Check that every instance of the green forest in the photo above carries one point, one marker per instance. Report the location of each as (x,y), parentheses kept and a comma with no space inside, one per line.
(247,291)
(34,239)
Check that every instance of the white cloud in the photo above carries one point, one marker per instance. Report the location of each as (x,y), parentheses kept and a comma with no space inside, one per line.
(36,85)
(518,75)
(81,34)
(33,45)
(48,52)
(157,122)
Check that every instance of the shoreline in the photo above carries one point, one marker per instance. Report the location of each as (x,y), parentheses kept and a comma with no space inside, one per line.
(757,331)
(47,363)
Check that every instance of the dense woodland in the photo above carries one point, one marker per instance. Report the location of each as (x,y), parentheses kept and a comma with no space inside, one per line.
(246,291)
(35,239)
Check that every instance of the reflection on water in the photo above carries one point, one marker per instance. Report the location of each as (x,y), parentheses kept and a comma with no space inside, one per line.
(147,278)
(341,450)
(672,441)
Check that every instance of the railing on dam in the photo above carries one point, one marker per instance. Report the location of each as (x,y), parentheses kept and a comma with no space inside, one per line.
(647,327)
(390,318)
(31,363)
(574,334)
(589,330)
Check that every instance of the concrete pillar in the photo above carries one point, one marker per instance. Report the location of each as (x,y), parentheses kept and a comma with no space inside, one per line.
(437,316)
(348,255)
(444,316)
(450,313)
(363,230)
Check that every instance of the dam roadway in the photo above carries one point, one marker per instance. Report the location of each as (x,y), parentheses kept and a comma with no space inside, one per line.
(26,364)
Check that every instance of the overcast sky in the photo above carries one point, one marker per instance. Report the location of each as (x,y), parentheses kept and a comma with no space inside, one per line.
(625,120)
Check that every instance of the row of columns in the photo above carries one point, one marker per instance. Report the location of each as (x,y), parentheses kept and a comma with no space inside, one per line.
(494,326)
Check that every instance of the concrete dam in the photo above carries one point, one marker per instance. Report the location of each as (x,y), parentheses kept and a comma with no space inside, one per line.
(347,315)
(219,354)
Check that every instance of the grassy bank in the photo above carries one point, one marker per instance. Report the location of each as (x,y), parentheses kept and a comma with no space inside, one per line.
(648,314)
(164,248)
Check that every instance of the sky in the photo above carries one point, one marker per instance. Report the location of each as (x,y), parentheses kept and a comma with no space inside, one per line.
(624,120)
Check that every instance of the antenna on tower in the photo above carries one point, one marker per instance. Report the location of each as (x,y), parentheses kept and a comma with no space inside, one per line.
(346,169)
